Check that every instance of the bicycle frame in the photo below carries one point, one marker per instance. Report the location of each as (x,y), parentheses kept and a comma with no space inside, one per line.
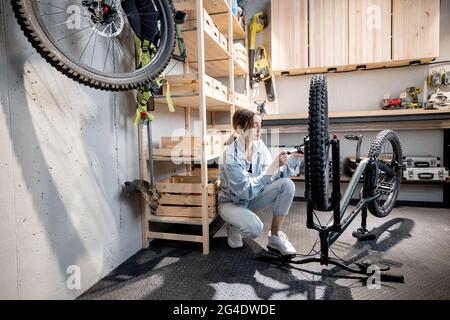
(330,233)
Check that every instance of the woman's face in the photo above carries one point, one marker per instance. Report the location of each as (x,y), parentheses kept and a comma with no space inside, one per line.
(254,133)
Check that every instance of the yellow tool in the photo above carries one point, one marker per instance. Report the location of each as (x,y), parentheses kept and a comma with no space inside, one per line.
(413,93)
(257,24)
(262,68)
(258,60)
(262,72)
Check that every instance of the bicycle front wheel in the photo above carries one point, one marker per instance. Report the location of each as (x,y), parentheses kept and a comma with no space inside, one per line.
(319,143)
(92,41)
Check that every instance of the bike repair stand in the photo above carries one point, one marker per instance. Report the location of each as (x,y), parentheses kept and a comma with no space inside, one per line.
(329,234)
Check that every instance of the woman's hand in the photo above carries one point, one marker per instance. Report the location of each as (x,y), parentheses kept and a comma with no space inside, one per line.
(280,160)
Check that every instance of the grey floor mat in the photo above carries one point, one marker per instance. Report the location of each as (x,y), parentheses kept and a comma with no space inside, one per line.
(414,242)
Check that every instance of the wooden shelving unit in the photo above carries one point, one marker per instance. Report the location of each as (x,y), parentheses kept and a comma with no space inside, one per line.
(210,53)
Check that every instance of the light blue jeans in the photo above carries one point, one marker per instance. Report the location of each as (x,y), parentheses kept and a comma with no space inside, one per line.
(278,195)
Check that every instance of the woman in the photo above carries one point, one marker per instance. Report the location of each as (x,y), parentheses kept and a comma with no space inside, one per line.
(251,181)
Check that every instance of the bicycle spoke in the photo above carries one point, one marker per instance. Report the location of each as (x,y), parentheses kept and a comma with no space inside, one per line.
(50,13)
(93,50)
(87,44)
(73,33)
(64,10)
(62,23)
(107,52)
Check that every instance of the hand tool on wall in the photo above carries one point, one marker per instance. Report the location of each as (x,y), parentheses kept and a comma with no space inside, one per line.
(258,60)
(257,23)
(262,72)
(446,78)
(437,79)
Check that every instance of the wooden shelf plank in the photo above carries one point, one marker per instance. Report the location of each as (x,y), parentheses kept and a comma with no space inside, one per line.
(304,115)
(221,21)
(174,236)
(213,50)
(412,118)
(221,68)
(187,159)
(212,103)
(215,69)
(178,220)
(240,69)
(352,67)
(211,6)
(216,6)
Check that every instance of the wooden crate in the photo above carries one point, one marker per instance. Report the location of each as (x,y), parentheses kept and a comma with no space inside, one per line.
(220,90)
(181,197)
(210,28)
(213,173)
(183,151)
(189,85)
(223,41)
(185,146)
(190,141)
(217,143)
(209,87)
(240,53)
(242,100)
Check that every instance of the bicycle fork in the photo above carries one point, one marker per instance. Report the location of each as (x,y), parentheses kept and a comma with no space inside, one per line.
(325,232)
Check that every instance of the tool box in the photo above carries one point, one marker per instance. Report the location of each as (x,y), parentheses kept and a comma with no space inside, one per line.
(419,174)
(421,161)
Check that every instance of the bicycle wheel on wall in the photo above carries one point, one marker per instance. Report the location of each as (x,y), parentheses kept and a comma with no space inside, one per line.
(319,143)
(92,41)
(387,151)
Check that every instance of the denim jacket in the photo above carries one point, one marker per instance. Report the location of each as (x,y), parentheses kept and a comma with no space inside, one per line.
(239,186)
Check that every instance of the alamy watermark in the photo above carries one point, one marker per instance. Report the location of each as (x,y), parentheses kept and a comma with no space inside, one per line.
(73,281)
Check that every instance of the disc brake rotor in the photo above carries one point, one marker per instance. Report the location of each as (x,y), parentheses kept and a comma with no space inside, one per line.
(107,17)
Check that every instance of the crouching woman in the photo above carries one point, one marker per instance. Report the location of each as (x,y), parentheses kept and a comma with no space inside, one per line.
(252,181)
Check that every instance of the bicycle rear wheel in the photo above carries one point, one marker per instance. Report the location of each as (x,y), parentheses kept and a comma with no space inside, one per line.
(92,41)
(387,151)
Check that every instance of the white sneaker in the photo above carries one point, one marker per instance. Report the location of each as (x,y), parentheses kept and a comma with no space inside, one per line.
(234,237)
(280,243)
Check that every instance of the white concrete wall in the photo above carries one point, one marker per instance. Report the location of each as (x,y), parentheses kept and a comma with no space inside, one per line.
(66,151)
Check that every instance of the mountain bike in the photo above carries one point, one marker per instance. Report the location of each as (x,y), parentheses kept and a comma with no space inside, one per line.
(380,173)
(92,41)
